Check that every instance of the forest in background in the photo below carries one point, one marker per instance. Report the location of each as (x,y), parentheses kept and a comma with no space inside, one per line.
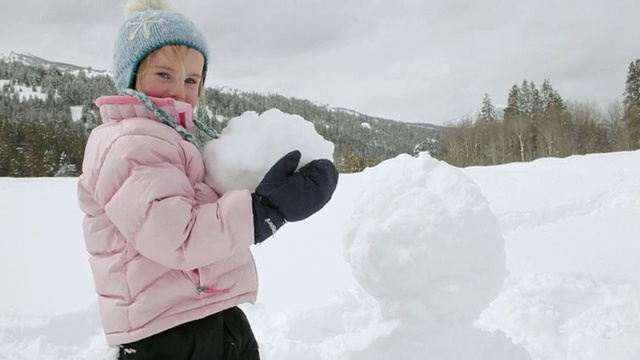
(42,135)
(537,123)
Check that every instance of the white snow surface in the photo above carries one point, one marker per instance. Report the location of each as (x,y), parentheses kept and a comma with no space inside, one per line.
(76,112)
(251,143)
(411,259)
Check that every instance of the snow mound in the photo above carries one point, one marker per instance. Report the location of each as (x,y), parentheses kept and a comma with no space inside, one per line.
(422,230)
(424,243)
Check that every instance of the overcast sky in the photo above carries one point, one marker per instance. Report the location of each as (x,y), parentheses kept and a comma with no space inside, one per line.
(419,61)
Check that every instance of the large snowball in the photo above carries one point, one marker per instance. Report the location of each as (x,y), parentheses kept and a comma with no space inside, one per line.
(422,230)
(252,143)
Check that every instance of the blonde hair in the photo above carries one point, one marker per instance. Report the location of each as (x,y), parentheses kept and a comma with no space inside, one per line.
(144,65)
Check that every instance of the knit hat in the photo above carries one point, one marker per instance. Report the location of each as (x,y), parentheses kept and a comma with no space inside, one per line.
(150,25)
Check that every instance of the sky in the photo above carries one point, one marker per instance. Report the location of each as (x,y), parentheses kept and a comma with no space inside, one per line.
(406,60)
(532,260)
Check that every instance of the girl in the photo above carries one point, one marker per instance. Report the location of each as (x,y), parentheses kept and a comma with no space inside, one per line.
(170,256)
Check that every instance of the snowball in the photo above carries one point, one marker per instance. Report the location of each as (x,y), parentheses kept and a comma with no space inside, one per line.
(250,144)
(422,229)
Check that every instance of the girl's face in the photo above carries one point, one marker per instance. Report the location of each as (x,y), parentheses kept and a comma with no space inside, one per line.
(172,72)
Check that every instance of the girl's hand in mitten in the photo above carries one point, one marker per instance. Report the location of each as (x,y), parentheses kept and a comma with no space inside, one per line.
(296,195)
(266,218)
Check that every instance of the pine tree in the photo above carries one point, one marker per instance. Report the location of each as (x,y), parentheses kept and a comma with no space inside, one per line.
(631,104)
(488,111)
(525,97)
(516,120)
(513,105)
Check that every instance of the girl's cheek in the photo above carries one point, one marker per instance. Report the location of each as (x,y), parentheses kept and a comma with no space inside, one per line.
(152,89)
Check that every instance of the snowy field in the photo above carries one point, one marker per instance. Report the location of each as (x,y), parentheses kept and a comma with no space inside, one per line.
(412,259)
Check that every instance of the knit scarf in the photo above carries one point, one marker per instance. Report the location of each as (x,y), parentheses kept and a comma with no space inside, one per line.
(168,120)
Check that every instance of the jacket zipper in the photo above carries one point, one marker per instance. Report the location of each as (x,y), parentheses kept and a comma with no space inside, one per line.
(201,289)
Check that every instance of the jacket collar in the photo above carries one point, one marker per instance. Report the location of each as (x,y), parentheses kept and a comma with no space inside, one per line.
(114,108)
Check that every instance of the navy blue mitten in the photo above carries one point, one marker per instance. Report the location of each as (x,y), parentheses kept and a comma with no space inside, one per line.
(290,194)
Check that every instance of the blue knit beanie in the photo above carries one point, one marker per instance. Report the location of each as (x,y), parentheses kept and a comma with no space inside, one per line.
(149,26)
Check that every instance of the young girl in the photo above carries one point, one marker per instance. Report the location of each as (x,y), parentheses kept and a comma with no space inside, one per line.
(170,256)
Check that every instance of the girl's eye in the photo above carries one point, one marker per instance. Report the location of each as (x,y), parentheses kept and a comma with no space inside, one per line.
(163,75)
(191,81)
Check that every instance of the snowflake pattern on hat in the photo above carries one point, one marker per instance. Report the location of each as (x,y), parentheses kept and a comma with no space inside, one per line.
(144,25)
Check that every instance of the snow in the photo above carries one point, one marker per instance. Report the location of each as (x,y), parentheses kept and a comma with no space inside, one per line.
(219,118)
(406,226)
(411,259)
(76,113)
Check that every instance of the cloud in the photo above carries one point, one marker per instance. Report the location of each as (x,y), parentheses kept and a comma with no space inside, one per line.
(406,60)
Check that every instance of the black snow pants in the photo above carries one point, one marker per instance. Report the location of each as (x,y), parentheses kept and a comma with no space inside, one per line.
(226,335)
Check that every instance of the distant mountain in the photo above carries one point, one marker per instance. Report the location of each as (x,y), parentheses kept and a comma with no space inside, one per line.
(30,59)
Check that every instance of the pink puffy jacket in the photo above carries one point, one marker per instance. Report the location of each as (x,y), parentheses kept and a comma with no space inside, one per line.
(165,248)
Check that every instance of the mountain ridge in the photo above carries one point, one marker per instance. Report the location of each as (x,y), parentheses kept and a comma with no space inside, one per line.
(33,60)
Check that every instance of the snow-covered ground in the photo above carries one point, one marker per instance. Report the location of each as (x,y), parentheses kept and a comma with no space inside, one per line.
(412,259)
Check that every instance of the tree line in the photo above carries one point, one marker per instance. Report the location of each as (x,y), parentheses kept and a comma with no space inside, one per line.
(538,123)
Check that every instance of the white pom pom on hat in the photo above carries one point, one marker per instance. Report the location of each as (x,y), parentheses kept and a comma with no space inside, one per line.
(136,6)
